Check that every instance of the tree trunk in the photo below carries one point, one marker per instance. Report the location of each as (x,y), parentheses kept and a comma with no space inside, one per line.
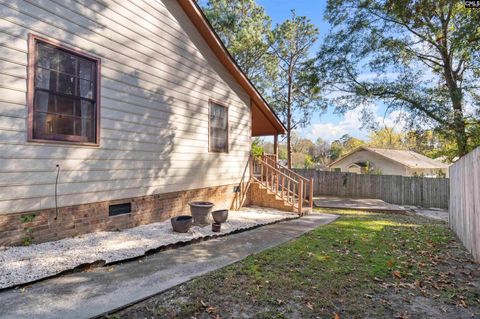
(289,120)
(460,132)
(456,94)
(458,118)
(289,141)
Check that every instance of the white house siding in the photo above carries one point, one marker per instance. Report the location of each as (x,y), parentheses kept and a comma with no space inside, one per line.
(158,75)
(428,172)
(386,166)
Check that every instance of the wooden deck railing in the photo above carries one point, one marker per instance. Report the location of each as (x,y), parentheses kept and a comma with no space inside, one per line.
(307,183)
(283,182)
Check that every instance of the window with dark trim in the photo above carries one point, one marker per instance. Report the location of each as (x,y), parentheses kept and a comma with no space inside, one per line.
(218,128)
(64,94)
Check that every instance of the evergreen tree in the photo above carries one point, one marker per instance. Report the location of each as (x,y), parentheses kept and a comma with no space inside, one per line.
(245,29)
(296,91)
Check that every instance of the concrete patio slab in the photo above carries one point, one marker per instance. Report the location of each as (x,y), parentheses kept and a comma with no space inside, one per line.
(90,294)
(433,213)
(356,203)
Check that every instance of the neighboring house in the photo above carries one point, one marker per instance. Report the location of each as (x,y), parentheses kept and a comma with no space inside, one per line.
(371,160)
(139,104)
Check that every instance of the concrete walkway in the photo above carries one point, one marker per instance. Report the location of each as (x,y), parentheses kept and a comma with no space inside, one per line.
(356,203)
(89,294)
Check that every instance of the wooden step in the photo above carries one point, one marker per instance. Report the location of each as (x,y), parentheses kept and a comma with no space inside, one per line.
(288,206)
(262,196)
(270,192)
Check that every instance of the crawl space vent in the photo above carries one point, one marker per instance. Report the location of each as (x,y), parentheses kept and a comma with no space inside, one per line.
(119,209)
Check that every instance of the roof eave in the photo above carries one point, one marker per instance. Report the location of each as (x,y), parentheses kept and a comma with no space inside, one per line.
(346,155)
(202,24)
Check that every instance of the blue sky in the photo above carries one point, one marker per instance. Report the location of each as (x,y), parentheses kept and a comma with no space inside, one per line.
(329,126)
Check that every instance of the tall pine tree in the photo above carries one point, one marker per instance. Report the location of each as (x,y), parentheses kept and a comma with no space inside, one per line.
(296,91)
(245,29)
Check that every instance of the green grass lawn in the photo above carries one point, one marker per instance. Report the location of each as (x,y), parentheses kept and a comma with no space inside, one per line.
(362,265)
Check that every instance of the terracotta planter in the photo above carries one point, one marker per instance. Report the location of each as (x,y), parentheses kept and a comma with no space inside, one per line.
(201,212)
(220,216)
(181,224)
(216,227)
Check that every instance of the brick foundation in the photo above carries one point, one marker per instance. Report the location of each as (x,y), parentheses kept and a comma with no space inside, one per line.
(81,219)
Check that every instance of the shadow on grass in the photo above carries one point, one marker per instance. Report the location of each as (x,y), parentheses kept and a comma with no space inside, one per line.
(350,267)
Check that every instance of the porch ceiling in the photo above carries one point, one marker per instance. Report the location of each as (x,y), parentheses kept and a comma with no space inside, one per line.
(263,125)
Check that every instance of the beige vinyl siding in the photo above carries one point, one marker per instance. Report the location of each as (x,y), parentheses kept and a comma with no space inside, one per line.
(158,75)
(386,166)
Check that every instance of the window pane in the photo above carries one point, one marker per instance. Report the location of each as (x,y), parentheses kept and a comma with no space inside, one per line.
(66,84)
(86,69)
(44,102)
(218,128)
(47,57)
(65,95)
(219,123)
(64,125)
(219,144)
(67,63)
(86,89)
(46,79)
(65,105)
(220,134)
(83,127)
(43,123)
(84,109)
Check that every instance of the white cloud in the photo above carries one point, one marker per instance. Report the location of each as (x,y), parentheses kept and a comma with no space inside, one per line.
(352,124)
(378,76)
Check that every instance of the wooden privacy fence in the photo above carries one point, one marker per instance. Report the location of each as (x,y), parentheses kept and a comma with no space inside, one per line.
(400,190)
(465,201)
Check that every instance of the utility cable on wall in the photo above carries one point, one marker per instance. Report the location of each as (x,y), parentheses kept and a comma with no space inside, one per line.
(56,187)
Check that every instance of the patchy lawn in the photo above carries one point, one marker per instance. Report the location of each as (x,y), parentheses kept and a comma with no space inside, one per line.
(364,265)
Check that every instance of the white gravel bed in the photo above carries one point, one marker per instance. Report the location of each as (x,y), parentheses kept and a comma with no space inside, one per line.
(20,265)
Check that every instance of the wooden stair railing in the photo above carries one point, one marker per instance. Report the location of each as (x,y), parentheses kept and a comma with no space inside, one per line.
(282,182)
(309,200)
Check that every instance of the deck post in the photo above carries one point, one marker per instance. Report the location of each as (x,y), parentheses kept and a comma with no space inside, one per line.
(275,147)
(251,163)
(311,192)
(300,196)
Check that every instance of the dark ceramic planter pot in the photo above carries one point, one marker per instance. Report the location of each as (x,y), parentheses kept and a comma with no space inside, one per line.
(201,212)
(181,224)
(220,216)
(216,227)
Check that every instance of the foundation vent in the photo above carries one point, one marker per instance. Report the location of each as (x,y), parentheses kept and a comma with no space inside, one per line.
(119,209)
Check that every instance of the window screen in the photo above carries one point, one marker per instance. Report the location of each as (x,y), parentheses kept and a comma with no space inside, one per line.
(218,128)
(65,95)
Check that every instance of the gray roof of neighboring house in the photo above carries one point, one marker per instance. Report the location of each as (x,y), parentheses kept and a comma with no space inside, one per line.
(407,158)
